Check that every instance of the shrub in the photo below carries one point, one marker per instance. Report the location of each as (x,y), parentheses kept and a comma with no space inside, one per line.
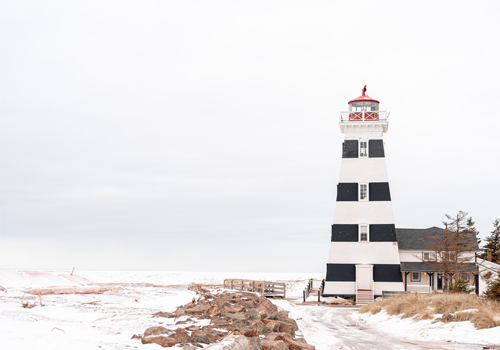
(460,286)
(484,313)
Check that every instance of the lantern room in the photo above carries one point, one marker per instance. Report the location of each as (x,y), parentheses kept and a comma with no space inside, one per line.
(363,108)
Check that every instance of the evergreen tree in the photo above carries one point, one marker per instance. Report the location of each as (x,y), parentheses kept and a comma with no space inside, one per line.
(469,228)
(493,243)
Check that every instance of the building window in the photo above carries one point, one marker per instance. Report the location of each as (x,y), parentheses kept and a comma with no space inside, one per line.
(363,192)
(363,149)
(464,276)
(429,256)
(415,276)
(363,233)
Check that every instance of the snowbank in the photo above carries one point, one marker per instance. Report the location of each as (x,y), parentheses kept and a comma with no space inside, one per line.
(17,279)
(426,330)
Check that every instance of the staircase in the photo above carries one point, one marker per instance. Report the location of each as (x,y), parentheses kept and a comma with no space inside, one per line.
(312,293)
(364,296)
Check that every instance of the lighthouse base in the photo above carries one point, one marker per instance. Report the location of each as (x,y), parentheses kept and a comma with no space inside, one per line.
(348,290)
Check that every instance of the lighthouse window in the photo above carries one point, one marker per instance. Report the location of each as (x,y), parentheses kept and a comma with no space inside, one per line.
(363,192)
(363,233)
(363,149)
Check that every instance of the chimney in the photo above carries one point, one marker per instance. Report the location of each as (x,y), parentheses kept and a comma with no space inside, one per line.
(488,255)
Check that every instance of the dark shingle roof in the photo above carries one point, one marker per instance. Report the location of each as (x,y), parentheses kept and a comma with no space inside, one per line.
(413,238)
(420,266)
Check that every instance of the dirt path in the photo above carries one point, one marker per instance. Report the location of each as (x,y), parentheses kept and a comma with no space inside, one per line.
(356,335)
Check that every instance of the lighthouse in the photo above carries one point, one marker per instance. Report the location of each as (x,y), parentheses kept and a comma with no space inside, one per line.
(363,261)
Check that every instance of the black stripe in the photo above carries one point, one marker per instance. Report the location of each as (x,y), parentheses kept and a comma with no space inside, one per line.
(383,233)
(341,272)
(344,296)
(376,149)
(347,191)
(387,273)
(345,233)
(379,191)
(350,149)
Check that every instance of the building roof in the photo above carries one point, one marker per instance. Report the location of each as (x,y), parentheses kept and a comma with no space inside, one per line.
(420,266)
(415,238)
(363,98)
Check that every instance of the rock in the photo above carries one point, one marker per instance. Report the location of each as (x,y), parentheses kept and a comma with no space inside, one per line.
(156,331)
(189,347)
(200,337)
(197,310)
(212,310)
(136,336)
(166,342)
(293,323)
(293,344)
(249,332)
(182,336)
(266,307)
(232,342)
(262,328)
(255,344)
(273,345)
(253,314)
(235,309)
(235,316)
(285,327)
(179,312)
(279,316)
(274,326)
(278,336)
(164,314)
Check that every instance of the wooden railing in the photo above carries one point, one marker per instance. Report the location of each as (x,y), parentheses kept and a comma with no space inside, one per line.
(306,291)
(266,288)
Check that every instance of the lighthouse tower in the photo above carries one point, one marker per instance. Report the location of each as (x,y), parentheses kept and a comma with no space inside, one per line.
(364,257)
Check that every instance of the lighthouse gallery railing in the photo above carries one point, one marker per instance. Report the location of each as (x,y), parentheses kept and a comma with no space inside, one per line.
(364,116)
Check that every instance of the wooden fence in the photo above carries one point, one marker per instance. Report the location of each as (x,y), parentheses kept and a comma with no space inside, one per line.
(266,288)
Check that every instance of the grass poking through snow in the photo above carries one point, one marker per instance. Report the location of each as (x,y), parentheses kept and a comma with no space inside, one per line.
(484,313)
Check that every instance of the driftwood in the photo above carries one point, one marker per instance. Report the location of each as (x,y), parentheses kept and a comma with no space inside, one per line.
(26,304)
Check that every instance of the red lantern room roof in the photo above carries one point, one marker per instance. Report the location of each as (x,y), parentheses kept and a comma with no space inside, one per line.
(363,98)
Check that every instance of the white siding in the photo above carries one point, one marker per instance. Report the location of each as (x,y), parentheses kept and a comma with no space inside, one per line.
(363,213)
(363,253)
(388,286)
(363,170)
(340,288)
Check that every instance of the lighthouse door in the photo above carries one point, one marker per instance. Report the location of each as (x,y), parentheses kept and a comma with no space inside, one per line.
(364,276)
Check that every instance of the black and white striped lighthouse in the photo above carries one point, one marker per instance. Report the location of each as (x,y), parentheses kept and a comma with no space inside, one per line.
(364,257)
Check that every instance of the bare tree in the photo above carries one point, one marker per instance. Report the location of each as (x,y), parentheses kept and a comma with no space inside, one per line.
(452,248)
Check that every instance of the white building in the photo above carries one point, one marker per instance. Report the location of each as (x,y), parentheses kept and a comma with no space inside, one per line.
(368,255)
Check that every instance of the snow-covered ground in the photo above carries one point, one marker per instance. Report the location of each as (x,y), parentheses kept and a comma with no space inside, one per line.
(464,332)
(108,320)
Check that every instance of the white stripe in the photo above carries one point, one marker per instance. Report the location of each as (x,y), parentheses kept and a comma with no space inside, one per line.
(363,170)
(363,253)
(363,213)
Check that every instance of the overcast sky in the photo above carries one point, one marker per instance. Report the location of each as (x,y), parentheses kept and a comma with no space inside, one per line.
(203,135)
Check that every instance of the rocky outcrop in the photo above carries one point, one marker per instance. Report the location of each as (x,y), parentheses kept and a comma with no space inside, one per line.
(232,316)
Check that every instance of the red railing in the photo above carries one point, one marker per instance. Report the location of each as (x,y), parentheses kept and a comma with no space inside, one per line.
(363,116)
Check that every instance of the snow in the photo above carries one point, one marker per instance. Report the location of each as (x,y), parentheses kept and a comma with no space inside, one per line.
(311,328)
(9,278)
(108,320)
(426,330)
